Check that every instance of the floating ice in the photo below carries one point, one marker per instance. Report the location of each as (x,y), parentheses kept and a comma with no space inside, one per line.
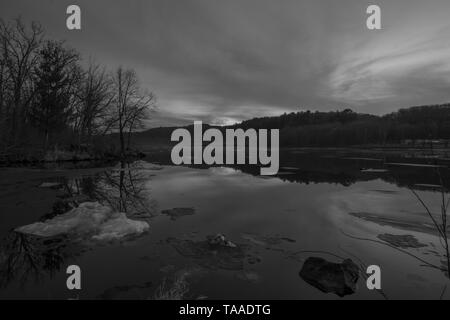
(50,185)
(120,227)
(372,170)
(89,219)
(420,165)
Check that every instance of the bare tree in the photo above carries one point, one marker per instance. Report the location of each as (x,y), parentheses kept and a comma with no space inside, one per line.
(95,97)
(130,106)
(4,86)
(138,114)
(43,88)
(19,47)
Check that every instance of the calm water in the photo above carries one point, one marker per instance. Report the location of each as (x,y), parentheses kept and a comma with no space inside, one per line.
(317,206)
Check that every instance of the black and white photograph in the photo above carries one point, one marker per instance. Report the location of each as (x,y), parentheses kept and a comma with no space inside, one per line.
(224,150)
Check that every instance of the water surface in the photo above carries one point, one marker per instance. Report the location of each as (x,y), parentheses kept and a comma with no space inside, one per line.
(327,205)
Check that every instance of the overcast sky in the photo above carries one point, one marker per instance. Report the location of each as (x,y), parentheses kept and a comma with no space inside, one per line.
(223,61)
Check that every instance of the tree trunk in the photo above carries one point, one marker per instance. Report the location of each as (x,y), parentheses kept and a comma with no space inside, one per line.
(122,142)
(129,135)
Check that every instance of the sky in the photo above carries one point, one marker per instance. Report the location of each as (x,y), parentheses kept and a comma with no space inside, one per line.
(224,61)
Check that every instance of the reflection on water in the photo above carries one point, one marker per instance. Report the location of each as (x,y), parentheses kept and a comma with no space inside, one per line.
(122,188)
(227,232)
(27,258)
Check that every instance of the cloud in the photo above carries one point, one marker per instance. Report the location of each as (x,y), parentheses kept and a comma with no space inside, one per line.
(225,61)
(394,68)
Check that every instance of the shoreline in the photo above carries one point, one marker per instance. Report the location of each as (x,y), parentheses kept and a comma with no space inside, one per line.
(16,160)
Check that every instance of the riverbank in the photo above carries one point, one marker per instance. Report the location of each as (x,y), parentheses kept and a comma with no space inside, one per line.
(30,157)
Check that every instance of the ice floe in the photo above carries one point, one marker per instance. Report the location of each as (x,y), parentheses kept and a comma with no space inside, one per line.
(50,185)
(372,170)
(89,219)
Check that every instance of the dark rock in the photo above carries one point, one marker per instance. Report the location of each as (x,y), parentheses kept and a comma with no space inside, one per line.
(338,278)
(220,240)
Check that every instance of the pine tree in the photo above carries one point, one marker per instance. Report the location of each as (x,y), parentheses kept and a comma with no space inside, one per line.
(56,76)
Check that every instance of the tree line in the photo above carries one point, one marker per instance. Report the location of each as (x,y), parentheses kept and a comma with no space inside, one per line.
(342,128)
(50,97)
(415,125)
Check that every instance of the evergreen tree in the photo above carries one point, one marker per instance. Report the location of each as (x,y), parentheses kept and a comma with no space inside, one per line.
(56,77)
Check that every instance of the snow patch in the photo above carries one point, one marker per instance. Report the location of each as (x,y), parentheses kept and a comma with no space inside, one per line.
(89,219)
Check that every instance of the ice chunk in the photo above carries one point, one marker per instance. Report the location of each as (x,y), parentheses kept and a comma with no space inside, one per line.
(50,185)
(90,219)
(372,170)
(120,227)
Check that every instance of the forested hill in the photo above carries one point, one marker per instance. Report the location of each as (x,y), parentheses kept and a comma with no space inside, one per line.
(344,128)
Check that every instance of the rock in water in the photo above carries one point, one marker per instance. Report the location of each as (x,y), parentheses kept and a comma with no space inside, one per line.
(338,278)
(220,240)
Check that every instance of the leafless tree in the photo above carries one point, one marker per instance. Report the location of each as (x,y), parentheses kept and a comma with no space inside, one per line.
(44,90)
(19,48)
(130,106)
(95,97)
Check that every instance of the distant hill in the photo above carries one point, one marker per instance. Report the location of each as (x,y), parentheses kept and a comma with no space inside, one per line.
(338,128)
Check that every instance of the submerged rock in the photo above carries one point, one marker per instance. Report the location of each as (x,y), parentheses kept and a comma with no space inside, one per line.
(248,276)
(267,241)
(89,219)
(337,278)
(210,256)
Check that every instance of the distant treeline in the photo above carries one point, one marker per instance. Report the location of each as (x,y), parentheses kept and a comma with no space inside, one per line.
(51,98)
(342,128)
